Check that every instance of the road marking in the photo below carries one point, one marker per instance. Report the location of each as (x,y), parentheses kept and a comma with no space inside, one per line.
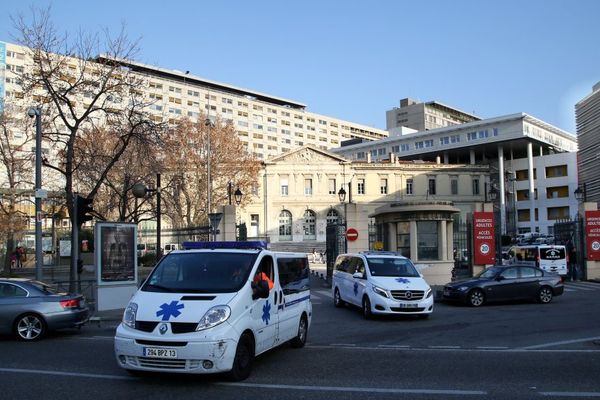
(322,293)
(570,394)
(342,345)
(541,346)
(394,346)
(586,284)
(444,392)
(492,347)
(61,373)
(97,338)
(443,347)
(351,346)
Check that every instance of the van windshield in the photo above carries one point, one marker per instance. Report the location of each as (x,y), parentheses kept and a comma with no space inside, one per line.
(381,266)
(201,272)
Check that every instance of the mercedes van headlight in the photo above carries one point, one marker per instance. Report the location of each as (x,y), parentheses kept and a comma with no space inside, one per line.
(429,293)
(130,314)
(380,291)
(213,317)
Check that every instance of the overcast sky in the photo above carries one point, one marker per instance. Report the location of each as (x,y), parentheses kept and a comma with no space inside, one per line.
(356,59)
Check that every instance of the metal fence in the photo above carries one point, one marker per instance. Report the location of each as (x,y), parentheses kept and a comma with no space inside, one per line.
(335,244)
(570,233)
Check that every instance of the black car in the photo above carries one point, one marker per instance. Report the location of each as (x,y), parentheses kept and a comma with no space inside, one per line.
(30,308)
(503,283)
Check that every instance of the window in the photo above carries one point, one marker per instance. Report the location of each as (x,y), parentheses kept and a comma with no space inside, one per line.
(332,186)
(309,225)
(510,273)
(427,240)
(453,185)
(10,290)
(403,238)
(556,171)
(431,187)
(383,186)
(475,186)
(332,217)
(361,186)
(285,225)
(308,189)
(472,136)
(558,213)
(174,89)
(557,192)
(409,186)
(283,184)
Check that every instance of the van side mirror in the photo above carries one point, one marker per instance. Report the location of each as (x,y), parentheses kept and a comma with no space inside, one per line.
(358,275)
(260,290)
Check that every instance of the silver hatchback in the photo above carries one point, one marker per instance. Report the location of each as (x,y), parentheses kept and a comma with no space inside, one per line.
(29,309)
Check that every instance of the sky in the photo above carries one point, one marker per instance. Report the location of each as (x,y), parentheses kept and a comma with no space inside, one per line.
(355,60)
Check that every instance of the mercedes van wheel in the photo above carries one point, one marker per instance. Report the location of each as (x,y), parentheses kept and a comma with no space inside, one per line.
(545,295)
(300,340)
(337,299)
(366,306)
(244,358)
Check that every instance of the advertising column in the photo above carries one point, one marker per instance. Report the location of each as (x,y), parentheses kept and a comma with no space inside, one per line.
(484,246)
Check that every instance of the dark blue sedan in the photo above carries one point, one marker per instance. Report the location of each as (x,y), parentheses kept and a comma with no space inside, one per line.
(29,309)
(505,283)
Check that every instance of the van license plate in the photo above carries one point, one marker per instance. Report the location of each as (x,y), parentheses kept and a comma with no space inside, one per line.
(159,353)
(408,305)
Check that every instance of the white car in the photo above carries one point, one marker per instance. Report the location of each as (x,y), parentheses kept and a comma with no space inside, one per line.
(381,283)
(213,308)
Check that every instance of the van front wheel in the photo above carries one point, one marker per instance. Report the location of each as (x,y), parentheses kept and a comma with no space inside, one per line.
(300,340)
(337,299)
(244,358)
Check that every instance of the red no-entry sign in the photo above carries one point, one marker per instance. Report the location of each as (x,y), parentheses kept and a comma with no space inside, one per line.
(351,234)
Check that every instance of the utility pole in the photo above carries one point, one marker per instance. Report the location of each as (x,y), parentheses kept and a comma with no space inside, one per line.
(37,113)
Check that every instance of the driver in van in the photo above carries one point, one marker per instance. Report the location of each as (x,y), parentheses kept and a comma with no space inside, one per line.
(261,276)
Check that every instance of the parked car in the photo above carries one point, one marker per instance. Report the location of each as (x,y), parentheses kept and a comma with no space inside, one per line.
(29,309)
(381,283)
(506,282)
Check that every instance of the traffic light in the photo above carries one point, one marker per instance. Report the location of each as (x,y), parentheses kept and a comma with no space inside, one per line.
(83,209)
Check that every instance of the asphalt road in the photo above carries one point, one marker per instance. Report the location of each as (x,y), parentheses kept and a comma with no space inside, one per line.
(505,351)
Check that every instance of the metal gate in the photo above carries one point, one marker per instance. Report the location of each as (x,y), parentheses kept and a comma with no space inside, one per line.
(570,233)
(335,242)
(463,249)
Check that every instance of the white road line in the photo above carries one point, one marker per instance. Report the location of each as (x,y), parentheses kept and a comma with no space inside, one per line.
(492,347)
(96,338)
(322,293)
(442,392)
(350,346)
(585,289)
(541,346)
(570,394)
(394,346)
(586,284)
(62,373)
(570,290)
(443,347)
(343,345)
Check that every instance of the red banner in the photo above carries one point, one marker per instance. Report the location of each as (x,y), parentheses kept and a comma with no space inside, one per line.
(484,238)
(592,235)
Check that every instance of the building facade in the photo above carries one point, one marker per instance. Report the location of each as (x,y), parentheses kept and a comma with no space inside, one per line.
(425,116)
(516,142)
(587,114)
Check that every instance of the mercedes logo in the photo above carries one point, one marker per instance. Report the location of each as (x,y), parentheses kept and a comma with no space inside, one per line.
(163,329)
(408,295)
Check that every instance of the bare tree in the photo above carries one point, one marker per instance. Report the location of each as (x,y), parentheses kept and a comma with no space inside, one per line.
(186,159)
(82,92)
(16,160)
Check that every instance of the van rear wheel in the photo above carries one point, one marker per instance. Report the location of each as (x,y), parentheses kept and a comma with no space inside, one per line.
(337,299)
(244,358)
(300,340)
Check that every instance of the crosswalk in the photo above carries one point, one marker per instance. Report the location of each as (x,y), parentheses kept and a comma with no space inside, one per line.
(581,286)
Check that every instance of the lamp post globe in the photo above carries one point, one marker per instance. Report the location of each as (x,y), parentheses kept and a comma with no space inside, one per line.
(139,190)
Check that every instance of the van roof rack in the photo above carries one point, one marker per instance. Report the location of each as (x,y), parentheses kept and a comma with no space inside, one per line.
(379,253)
(250,245)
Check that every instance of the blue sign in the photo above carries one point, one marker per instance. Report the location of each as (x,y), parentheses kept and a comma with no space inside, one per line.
(266,312)
(402,280)
(169,310)
(2,73)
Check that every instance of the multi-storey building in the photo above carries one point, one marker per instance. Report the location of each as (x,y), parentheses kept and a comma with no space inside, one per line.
(425,116)
(267,125)
(587,113)
(538,157)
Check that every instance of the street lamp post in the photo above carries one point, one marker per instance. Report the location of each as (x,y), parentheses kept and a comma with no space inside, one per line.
(140,190)
(492,194)
(237,195)
(37,113)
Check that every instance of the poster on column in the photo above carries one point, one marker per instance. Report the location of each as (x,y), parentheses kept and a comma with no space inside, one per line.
(484,238)
(592,235)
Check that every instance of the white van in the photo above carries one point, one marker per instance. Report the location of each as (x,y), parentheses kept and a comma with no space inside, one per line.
(213,307)
(170,247)
(550,258)
(381,283)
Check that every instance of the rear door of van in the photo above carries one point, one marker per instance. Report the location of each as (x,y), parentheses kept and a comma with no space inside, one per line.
(553,259)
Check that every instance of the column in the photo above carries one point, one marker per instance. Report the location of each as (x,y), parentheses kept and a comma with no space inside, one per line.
(443,245)
(531,186)
(414,243)
(502,190)
(393,236)
(472,156)
(446,158)
(438,160)
(450,238)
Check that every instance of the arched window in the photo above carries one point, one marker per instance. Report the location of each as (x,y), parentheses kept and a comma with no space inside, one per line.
(309,225)
(333,217)
(285,225)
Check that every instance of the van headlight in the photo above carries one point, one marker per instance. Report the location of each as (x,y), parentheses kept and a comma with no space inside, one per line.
(213,317)
(429,293)
(380,291)
(130,314)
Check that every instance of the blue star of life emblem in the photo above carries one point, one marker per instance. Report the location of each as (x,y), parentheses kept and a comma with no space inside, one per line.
(169,310)
(266,312)
(402,280)
(356,288)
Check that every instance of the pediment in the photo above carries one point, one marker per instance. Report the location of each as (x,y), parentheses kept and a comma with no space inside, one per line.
(307,154)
